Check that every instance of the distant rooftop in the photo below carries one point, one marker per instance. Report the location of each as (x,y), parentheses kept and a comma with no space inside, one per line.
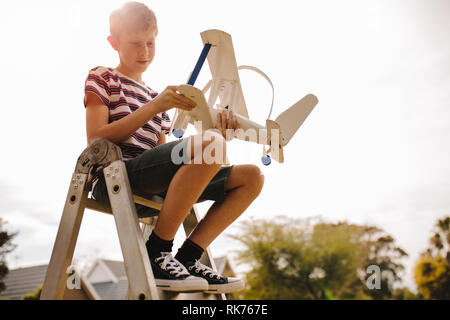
(23,280)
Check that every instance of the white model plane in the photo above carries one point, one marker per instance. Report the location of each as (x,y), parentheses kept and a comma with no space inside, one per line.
(226,86)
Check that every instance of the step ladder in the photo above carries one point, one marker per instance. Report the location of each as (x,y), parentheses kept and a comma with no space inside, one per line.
(141,283)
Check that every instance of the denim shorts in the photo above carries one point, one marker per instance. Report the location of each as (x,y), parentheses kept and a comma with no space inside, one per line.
(151,173)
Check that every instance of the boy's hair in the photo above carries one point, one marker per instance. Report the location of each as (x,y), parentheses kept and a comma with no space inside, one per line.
(132,17)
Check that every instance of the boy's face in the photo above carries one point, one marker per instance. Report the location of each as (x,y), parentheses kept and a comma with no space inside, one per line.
(136,50)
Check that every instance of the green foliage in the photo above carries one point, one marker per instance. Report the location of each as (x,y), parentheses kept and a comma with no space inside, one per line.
(294,259)
(35,295)
(432,271)
(406,294)
(6,247)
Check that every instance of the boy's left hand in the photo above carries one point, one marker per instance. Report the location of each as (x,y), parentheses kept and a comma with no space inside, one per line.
(223,123)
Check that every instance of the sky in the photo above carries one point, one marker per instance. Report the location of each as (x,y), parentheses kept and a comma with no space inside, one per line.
(374,150)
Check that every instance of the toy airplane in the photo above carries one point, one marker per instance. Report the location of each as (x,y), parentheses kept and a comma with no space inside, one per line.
(226,86)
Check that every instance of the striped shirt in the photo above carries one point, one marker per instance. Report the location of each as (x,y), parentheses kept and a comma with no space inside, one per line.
(123,95)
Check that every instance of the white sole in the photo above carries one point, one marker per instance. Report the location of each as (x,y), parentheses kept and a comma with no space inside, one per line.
(234,284)
(190,284)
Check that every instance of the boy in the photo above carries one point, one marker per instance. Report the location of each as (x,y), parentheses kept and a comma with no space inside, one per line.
(122,109)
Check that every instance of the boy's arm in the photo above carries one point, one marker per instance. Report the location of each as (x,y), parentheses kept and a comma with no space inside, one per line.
(97,115)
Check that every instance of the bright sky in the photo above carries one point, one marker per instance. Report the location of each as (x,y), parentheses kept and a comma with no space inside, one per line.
(375,149)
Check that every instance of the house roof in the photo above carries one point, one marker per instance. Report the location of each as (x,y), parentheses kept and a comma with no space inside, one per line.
(112,290)
(116,267)
(23,280)
(26,280)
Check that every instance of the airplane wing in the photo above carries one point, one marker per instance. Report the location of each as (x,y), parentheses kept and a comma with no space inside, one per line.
(226,84)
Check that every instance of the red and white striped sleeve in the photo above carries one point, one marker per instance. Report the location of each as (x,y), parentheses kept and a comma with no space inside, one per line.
(97,82)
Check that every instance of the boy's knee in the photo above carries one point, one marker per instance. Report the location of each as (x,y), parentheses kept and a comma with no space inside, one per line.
(255,178)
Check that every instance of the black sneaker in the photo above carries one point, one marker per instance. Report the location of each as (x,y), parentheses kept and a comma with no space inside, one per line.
(216,282)
(171,275)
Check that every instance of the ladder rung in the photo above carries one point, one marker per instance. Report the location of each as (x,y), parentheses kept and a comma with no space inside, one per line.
(155,203)
(98,206)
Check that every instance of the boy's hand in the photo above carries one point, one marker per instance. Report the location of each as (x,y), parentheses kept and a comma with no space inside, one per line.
(170,98)
(223,123)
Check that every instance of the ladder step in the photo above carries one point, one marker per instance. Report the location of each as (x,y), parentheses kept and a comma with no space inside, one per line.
(155,203)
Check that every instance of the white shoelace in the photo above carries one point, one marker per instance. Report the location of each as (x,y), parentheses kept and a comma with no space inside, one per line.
(172,265)
(205,270)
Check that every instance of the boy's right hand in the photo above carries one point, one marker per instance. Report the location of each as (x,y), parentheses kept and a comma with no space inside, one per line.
(170,98)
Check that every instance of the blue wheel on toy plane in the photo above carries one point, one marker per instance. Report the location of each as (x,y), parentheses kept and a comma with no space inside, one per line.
(178,133)
(266,160)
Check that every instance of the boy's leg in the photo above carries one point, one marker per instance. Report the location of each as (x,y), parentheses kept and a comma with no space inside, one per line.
(188,184)
(184,189)
(243,185)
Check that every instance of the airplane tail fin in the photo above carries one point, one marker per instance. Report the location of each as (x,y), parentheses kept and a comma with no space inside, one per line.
(291,119)
(274,131)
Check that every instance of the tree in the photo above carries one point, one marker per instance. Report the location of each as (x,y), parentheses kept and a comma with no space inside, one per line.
(294,259)
(432,271)
(406,294)
(379,249)
(6,246)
